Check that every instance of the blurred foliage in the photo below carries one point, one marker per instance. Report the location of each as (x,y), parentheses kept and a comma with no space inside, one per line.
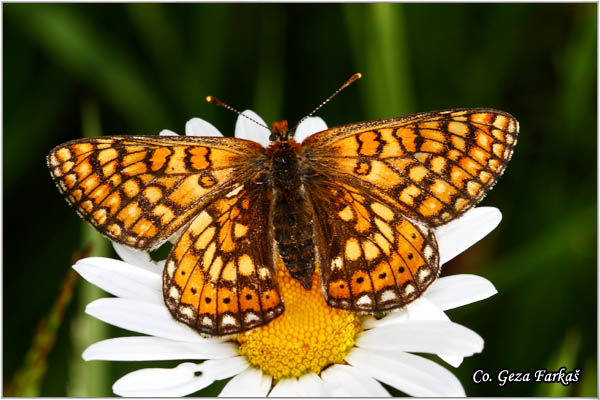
(146,67)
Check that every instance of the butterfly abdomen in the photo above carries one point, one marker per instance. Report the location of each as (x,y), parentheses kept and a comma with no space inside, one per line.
(292,219)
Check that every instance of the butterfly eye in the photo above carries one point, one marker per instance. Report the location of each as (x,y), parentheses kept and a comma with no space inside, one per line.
(274,137)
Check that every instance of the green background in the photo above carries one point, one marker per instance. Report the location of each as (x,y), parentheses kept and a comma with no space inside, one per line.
(73,70)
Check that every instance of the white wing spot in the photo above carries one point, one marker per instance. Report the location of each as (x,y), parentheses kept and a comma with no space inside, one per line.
(229,320)
(251,317)
(364,300)
(174,293)
(53,161)
(388,295)
(264,273)
(171,267)
(409,289)
(428,252)
(186,311)
(424,273)
(234,191)
(206,321)
(337,263)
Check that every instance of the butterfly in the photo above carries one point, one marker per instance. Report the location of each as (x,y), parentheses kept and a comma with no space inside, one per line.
(359,201)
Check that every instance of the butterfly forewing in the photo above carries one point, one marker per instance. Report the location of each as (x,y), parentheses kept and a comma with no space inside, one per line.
(371,258)
(139,190)
(219,278)
(431,166)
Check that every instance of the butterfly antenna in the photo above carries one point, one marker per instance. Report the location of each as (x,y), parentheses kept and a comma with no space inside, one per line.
(350,81)
(214,100)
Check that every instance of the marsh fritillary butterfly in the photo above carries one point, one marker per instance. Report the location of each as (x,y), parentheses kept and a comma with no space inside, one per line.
(359,200)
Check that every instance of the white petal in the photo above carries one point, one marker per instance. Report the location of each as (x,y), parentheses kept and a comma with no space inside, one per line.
(136,257)
(457,290)
(166,132)
(221,369)
(147,348)
(121,279)
(455,361)
(425,310)
(246,129)
(393,317)
(143,317)
(185,379)
(309,126)
(457,236)
(162,382)
(310,385)
(250,383)
(346,381)
(414,375)
(199,127)
(423,337)
(285,388)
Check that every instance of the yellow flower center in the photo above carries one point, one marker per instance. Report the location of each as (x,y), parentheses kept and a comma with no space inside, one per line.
(307,337)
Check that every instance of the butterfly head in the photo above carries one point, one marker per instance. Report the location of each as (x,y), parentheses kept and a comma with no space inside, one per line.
(280,132)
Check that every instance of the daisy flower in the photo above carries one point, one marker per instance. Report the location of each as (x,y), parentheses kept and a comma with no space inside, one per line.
(311,349)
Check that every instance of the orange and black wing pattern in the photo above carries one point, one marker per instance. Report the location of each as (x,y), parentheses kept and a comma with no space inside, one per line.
(371,257)
(220,278)
(139,190)
(433,167)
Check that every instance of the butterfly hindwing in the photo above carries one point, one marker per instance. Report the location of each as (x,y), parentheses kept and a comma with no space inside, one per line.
(219,277)
(139,190)
(431,166)
(371,257)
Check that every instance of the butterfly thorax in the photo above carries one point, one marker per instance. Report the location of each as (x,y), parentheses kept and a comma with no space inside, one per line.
(292,219)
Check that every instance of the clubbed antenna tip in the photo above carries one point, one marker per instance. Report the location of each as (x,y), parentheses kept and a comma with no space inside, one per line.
(215,101)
